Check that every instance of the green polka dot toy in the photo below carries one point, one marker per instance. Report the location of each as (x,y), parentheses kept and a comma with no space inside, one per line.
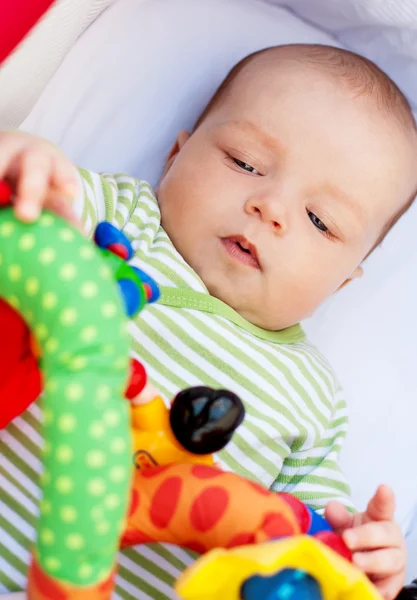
(64,289)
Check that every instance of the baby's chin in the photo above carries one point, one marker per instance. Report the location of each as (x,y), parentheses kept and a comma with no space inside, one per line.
(249,309)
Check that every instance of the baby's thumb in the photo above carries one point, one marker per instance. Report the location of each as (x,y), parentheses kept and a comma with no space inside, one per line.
(382,506)
(338,517)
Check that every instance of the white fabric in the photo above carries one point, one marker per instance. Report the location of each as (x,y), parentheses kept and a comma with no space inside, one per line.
(152,65)
(383,30)
(25,73)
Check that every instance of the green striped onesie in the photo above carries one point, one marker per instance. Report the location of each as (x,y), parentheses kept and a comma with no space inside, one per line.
(296,416)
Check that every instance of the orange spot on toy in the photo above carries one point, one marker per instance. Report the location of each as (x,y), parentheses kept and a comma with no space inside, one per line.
(242,539)
(275,525)
(165,502)
(208,508)
(205,472)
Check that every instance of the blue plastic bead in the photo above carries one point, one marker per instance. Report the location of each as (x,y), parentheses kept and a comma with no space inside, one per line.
(318,523)
(153,286)
(106,234)
(130,295)
(288,584)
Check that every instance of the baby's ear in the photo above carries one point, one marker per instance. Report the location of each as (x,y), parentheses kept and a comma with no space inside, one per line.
(182,138)
(357,273)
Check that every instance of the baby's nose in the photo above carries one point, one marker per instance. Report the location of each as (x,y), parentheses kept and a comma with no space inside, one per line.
(270,210)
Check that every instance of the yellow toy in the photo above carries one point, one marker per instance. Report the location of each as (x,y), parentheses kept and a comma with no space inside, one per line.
(231,574)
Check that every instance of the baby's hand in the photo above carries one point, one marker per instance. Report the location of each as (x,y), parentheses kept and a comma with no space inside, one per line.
(39,174)
(375,539)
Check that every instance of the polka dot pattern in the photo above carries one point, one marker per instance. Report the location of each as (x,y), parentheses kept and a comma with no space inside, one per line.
(68,295)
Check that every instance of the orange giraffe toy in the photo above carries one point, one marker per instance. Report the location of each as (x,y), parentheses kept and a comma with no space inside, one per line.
(200,507)
(194,504)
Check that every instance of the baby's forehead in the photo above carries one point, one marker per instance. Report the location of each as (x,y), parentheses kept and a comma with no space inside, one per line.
(312,69)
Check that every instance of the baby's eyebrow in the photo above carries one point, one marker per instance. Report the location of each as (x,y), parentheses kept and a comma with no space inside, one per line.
(267,140)
(346,199)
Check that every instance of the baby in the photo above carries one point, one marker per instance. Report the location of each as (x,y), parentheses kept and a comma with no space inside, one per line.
(294,173)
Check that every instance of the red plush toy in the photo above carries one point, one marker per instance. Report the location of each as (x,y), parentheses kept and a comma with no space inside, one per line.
(20,377)
(17,17)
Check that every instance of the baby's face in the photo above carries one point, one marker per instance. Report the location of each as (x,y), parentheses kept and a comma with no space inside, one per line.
(282,191)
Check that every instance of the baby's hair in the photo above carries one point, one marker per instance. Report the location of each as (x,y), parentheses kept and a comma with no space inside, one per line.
(360,75)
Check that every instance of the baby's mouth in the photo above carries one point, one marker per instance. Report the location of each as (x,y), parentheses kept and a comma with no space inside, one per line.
(242,250)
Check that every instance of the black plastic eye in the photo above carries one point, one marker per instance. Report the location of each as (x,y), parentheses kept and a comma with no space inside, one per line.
(203,420)
(409,592)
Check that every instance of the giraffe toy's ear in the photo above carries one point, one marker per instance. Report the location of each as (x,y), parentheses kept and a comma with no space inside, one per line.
(16,19)
(137,288)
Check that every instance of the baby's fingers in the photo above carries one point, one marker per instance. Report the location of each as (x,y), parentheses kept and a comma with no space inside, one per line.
(64,176)
(9,150)
(389,587)
(373,535)
(32,185)
(56,203)
(381,563)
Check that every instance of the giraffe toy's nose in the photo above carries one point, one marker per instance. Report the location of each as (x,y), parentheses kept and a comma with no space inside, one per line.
(203,420)
(288,584)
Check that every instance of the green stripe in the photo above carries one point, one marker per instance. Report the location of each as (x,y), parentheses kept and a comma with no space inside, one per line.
(318,369)
(171,273)
(17,507)
(109,196)
(314,479)
(169,556)
(14,481)
(308,375)
(28,418)
(24,440)
(5,581)
(15,534)
(122,592)
(188,298)
(137,581)
(18,463)
(16,563)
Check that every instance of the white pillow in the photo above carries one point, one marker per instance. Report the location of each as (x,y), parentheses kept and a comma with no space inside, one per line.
(28,69)
(143,71)
(383,31)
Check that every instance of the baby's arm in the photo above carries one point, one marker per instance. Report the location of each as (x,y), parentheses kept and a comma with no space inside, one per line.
(315,477)
(313,473)
(42,177)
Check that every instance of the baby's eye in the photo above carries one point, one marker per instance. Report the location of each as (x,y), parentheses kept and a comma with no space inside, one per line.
(317,223)
(245,166)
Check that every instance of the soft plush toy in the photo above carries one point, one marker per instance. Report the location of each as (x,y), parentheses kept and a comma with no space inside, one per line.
(63,300)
